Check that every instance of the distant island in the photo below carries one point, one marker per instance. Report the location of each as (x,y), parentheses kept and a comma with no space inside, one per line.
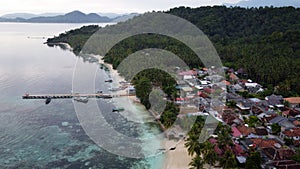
(71,17)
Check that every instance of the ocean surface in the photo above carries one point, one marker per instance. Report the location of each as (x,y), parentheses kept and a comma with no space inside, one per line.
(36,135)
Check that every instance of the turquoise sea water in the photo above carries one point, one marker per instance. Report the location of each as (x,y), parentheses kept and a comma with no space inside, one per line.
(35,135)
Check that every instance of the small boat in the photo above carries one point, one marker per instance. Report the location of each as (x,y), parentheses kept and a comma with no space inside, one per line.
(114,89)
(81,99)
(117,109)
(172,148)
(109,81)
(48,100)
(105,97)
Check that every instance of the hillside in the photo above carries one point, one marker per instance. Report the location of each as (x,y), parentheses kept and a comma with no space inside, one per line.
(263,3)
(263,41)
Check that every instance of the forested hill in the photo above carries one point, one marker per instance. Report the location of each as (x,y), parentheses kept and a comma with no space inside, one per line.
(221,23)
(264,41)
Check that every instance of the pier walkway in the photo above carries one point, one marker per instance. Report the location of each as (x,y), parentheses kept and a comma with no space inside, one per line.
(72,95)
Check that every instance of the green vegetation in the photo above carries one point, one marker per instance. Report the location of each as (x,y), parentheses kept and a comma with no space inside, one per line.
(275,128)
(207,149)
(252,121)
(196,163)
(228,161)
(253,161)
(143,88)
(296,157)
(144,41)
(288,141)
(75,38)
(158,78)
(144,82)
(169,116)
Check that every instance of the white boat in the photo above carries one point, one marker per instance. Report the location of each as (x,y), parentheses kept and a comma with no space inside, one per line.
(82,99)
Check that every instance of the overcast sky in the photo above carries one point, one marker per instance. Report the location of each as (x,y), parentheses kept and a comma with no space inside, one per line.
(116,6)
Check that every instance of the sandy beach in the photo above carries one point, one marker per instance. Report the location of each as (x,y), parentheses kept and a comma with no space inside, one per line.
(178,158)
(174,159)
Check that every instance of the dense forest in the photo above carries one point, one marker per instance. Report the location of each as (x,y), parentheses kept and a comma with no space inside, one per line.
(75,38)
(263,41)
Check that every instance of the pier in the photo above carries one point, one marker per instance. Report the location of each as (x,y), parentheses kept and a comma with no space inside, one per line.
(73,95)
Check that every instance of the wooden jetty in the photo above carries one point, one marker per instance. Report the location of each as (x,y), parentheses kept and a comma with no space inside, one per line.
(72,95)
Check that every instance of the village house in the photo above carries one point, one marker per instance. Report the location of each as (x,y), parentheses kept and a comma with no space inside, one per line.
(236,88)
(233,78)
(264,143)
(261,131)
(283,122)
(233,97)
(282,164)
(275,153)
(131,90)
(190,74)
(236,133)
(294,102)
(231,118)
(244,130)
(244,104)
(253,87)
(256,110)
(291,134)
(275,100)
(291,113)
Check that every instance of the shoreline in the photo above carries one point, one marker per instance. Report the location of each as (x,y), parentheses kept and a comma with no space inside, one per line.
(178,158)
(173,159)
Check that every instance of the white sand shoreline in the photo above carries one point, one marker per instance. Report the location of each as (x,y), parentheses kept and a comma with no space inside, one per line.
(173,159)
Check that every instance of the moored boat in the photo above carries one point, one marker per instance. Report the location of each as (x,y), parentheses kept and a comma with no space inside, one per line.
(48,100)
(109,81)
(82,99)
(118,109)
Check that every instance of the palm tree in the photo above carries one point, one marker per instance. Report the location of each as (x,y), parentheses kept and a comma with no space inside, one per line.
(192,144)
(228,160)
(224,138)
(253,161)
(196,163)
(209,155)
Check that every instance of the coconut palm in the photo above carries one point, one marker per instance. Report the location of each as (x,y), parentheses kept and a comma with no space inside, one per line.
(196,163)
(209,155)
(192,144)
(224,137)
(227,161)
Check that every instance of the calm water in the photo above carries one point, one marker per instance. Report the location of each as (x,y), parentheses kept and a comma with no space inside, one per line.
(31,133)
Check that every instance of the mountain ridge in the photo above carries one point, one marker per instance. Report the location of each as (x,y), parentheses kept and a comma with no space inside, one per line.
(75,16)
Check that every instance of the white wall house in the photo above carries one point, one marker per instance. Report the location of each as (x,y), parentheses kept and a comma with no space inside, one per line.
(291,134)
